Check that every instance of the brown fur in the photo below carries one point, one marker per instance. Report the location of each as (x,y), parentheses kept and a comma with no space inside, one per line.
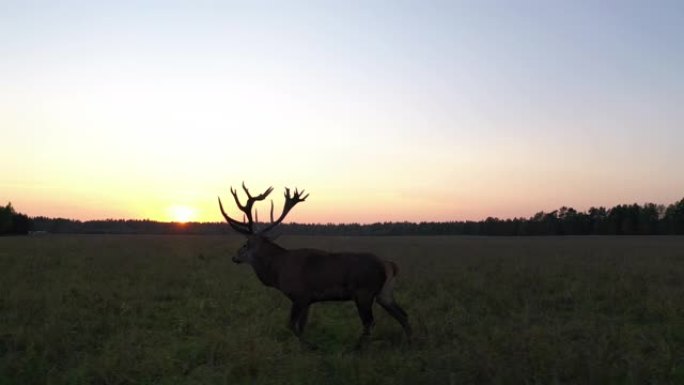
(307,276)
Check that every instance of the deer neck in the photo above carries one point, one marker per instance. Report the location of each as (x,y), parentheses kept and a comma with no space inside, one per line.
(265,266)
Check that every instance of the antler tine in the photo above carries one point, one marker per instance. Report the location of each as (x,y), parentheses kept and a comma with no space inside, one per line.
(238,226)
(247,225)
(237,200)
(290,202)
(296,197)
(271,210)
(258,197)
(300,193)
(265,194)
(246,190)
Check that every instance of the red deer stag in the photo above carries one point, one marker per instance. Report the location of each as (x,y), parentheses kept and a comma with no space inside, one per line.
(307,276)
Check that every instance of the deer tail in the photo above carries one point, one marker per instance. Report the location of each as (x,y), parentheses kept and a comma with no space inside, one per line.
(394,267)
(387,292)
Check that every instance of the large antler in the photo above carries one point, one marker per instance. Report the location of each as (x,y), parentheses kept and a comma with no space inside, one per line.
(244,227)
(290,202)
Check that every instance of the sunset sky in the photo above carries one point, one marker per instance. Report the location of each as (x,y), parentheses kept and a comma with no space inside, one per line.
(396,110)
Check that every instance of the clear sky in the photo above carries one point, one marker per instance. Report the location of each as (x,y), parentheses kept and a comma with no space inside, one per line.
(396,110)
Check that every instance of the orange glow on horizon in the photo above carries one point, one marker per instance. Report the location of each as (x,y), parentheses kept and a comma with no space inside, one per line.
(181,214)
(320,207)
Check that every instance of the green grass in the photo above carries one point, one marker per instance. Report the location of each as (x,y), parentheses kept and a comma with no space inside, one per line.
(176,310)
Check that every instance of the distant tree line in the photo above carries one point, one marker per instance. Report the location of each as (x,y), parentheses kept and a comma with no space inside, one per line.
(634,219)
(126,226)
(12,222)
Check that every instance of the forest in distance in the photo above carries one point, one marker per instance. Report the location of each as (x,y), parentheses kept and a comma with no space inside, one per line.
(624,219)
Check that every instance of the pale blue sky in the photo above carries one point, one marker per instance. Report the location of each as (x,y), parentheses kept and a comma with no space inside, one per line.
(384,110)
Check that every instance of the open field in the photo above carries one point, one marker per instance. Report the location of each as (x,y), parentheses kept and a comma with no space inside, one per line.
(176,310)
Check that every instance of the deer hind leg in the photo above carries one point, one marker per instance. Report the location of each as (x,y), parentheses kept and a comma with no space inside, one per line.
(399,314)
(364,304)
(386,300)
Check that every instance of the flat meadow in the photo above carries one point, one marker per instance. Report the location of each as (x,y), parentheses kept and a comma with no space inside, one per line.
(114,309)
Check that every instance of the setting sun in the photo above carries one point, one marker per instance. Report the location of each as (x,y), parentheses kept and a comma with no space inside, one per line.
(181,214)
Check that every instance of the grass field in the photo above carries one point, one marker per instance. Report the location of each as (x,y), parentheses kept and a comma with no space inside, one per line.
(176,310)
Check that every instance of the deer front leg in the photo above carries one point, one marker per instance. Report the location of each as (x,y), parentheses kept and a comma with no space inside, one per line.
(298,317)
(303,318)
(296,312)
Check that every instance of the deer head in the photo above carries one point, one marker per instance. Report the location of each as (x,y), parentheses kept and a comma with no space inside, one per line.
(257,239)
